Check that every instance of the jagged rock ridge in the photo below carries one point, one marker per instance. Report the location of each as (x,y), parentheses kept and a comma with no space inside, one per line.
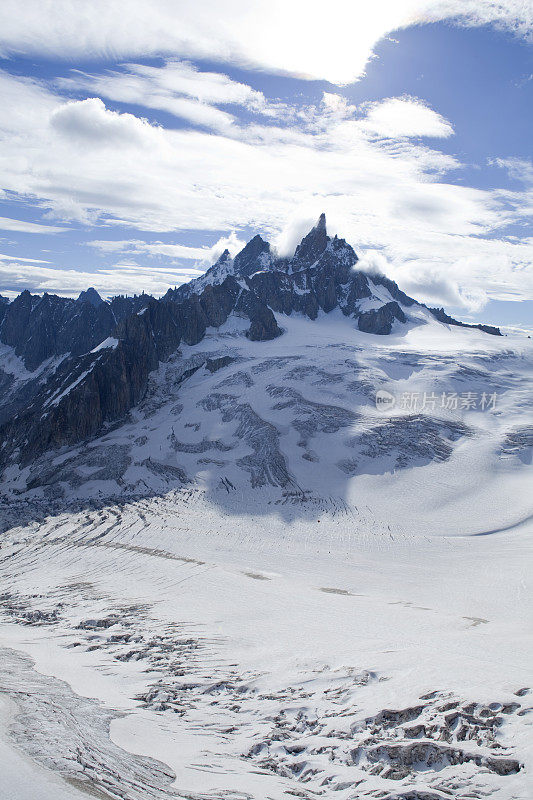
(90,359)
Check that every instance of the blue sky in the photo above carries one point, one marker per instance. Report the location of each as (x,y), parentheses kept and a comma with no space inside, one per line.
(129,160)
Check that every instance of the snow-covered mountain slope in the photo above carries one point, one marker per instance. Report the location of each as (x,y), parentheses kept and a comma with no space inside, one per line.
(294,420)
(290,567)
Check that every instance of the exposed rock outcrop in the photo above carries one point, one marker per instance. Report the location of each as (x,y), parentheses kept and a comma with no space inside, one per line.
(442,316)
(379,320)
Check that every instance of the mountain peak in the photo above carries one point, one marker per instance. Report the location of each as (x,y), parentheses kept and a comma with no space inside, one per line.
(224,257)
(91,296)
(255,255)
(313,245)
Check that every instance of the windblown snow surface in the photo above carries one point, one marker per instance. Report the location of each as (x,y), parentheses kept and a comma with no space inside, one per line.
(261,586)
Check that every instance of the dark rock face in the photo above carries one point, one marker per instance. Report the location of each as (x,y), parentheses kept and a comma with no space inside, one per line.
(83,394)
(263,322)
(380,320)
(15,319)
(217,302)
(492,329)
(41,327)
(123,306)
(255,256)
(4,302)
(82,331)
(320,276)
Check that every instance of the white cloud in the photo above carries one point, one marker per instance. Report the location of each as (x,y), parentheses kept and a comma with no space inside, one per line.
(80,161)
(424,283)
(507,15)
(90,122)
(178,77)
(405,116)
(299,37)
(21,226)
(202,255)
(374,262)
(232,243)
(113,245)
(336,106)
(461,272)
(12,259)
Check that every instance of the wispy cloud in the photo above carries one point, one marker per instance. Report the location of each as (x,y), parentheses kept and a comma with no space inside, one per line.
(21,226)
(521,169)
(15,259)
(201,255)
(176,87)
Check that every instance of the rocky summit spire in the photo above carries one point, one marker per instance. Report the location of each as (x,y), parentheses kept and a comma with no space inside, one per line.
(225,256)
(254,256)
(91,296)
(312,246)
